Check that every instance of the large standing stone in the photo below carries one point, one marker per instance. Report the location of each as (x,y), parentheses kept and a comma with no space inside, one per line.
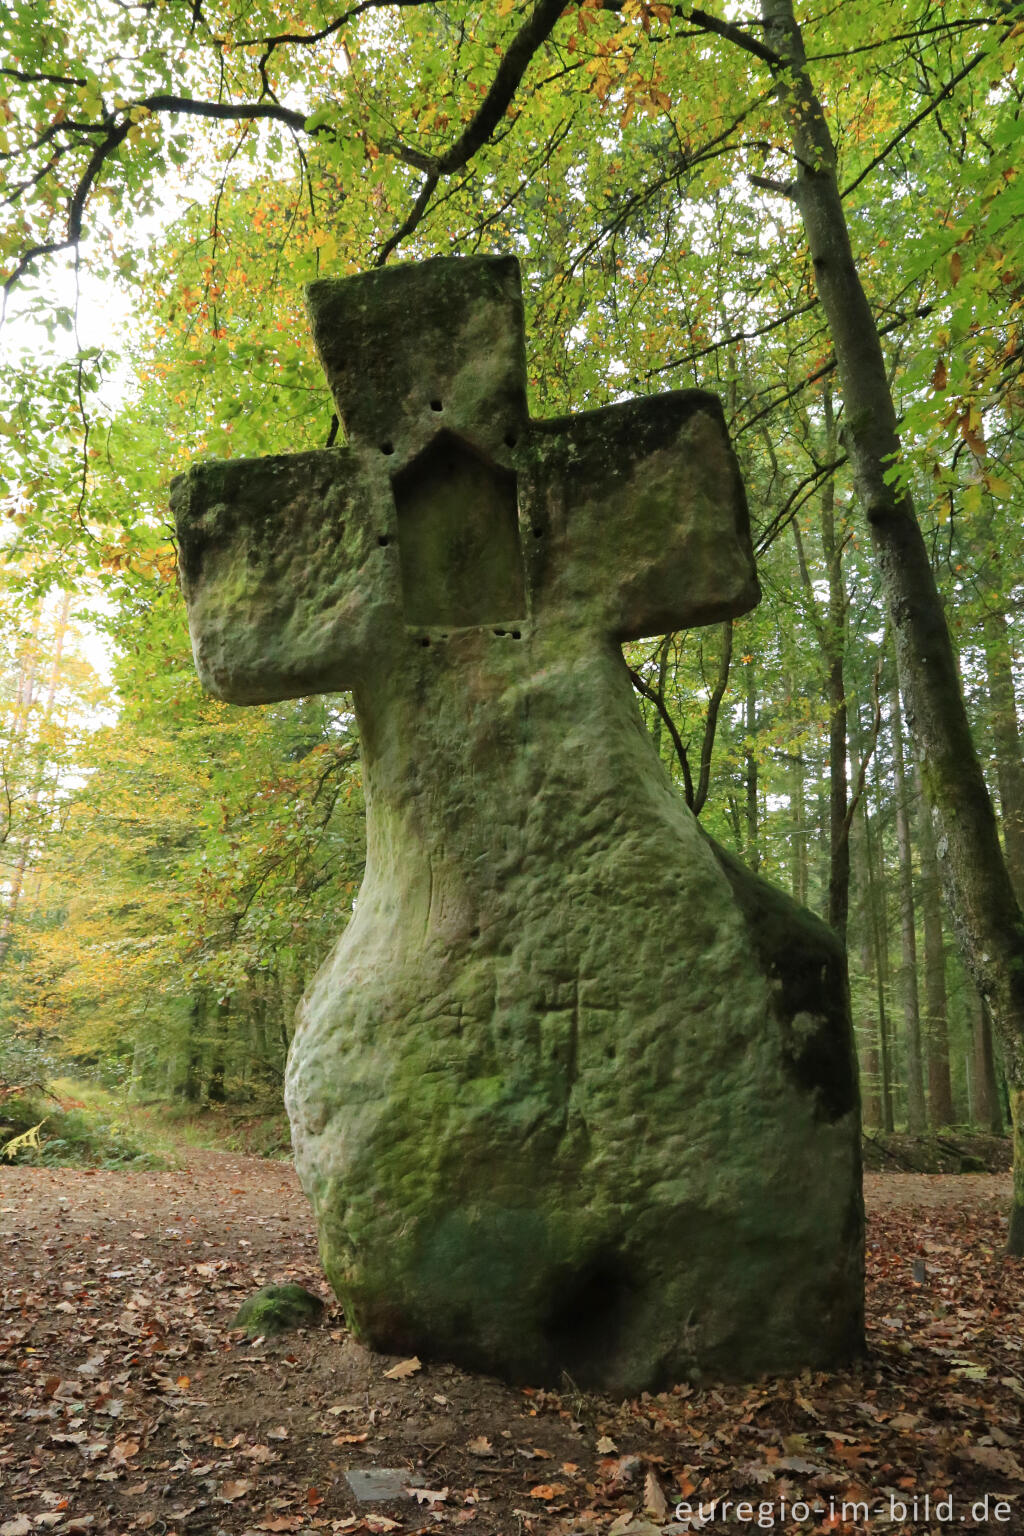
(575,1090)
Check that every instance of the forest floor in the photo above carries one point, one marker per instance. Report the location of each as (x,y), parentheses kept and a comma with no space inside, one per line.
(128,1404)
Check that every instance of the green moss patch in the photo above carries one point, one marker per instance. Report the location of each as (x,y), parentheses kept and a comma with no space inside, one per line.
(277,1309)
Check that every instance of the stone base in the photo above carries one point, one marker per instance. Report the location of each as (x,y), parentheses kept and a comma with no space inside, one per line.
(548,1163)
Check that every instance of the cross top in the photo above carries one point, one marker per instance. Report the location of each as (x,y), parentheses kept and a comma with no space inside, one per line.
(448,510)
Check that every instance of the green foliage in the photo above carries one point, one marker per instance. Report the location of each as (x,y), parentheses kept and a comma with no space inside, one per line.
(67,1137)
(189,865)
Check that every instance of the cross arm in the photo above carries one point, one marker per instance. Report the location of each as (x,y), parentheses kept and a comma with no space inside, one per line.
(645,516)
(283,571)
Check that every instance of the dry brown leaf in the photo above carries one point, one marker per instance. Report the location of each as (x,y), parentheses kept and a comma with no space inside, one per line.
(404,1368)
(655,1502)
(481,1446)
(994,1460)
(548,1491)
(606,1446)
(236,1489)
(259,1453)
(351,1439)
(429,1496)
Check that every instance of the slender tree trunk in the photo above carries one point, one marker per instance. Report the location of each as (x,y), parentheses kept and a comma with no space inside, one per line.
(876,928)
(870,1097)
(662,679)
(1006,736)
(987,1111)
(834,648)
(798,826)
(752,829)
(17,884)
(936,1021)
(987,918)
(917,1117)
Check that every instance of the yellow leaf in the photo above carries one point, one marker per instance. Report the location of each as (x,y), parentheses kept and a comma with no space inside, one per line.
(998,486)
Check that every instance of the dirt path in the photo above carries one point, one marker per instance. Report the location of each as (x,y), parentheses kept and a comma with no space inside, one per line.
(126,1404)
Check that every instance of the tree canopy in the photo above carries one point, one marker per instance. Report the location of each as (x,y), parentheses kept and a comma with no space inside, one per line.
(649,164)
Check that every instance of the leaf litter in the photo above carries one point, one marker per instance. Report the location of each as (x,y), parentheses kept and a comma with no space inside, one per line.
(127,1404)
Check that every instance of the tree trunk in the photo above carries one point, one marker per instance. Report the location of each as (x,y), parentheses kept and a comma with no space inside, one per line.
(987,1112)
(1006,736)
(875,928)
(27,682)
(987,918)
(936,1006)
(917,1116)
(752,844)
(798,823)
(834,648)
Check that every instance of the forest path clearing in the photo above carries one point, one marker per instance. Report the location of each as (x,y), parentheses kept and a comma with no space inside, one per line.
(127,1405)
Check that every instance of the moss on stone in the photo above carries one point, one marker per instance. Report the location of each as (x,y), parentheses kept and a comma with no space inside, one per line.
(278,1309)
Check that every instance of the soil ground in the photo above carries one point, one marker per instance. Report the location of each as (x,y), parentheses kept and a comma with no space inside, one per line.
(128,1404)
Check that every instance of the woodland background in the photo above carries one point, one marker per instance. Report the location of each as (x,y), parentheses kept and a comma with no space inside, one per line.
(173,870)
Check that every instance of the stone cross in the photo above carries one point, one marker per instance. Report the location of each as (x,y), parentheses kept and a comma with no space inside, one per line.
(574,1091)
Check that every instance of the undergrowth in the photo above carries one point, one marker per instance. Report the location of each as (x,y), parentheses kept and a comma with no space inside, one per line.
(41,1129)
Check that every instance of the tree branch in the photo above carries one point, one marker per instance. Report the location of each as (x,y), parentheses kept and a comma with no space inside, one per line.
(919,117)
(411,220)
(677,741)
(711,719)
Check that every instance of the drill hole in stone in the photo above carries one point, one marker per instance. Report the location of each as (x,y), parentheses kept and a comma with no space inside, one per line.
(424,640)
(387,447)
(538,533)
(435,405)
(517,634)
(383,541)
(510,439)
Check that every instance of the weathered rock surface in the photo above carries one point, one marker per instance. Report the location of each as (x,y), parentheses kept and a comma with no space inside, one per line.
(575,1091)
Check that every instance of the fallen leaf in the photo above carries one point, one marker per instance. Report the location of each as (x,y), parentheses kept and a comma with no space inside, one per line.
(404,1368)
(236,1490)
(429,1496)
(548,1491)
(606,1446)
(994,1460)
(481,1446)
(350,1439)
(655,1502)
